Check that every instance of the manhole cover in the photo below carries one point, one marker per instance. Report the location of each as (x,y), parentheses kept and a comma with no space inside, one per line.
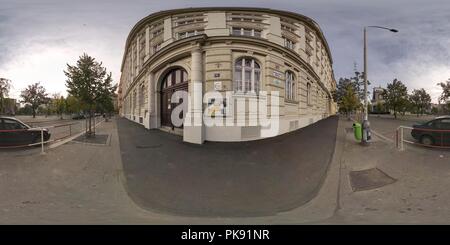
(98,139)
(369,179)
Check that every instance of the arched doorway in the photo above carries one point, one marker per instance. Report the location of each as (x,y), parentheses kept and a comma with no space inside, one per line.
(174,80)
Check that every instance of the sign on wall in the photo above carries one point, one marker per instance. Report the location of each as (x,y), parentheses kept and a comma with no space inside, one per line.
(217,86)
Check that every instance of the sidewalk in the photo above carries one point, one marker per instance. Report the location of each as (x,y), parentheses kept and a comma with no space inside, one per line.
(419,194)
(72,184)
(84,184)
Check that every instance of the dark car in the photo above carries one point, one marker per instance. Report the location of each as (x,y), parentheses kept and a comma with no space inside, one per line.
(434,132)
(78,116)
(13,132)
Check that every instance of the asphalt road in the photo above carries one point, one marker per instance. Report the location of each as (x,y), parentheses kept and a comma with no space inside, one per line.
(254,178)
(60,129)
(387,126)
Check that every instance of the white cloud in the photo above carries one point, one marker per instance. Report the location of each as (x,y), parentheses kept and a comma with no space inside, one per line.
(38,39)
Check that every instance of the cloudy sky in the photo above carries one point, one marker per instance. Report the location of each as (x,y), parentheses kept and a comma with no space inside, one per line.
(38,37)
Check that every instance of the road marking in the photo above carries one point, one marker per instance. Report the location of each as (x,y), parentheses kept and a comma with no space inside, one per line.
(382,136)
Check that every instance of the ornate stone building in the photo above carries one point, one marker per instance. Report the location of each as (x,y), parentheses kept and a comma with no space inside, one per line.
(235,51)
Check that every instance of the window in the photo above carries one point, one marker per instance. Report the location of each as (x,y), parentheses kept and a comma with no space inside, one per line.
(157,32)
(238,17)
(247,75)
(308,93)
(443,124)
(9,124)
(247,32)
(257,33)
(189,33)
(238,31)
(290,86)
(175,77)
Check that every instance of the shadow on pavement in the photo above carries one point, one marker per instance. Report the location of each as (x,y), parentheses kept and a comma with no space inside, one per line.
(255,178)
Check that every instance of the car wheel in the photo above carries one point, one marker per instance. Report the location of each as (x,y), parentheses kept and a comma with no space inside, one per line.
(426,140)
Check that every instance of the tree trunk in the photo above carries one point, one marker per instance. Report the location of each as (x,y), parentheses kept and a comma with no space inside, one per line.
(90,132)
(34,113)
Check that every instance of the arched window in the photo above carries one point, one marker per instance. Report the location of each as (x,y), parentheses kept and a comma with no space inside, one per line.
(308,93)
(290,90)
(174,77)
(247,75)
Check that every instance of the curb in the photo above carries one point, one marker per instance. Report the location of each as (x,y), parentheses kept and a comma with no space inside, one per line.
(64,141)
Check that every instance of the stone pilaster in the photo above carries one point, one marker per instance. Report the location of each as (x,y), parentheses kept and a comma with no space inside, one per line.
(152,103)
(193,127)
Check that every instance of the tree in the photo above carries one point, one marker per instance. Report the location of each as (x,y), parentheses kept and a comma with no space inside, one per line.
(26,110)
(35,95)
(420,101)
(5,85)
(358,82)
(342,91)
(346,96)
(434,110)
(73,105)
(89,82)
(59,105)
(445,95)
(396,96)
(379,107)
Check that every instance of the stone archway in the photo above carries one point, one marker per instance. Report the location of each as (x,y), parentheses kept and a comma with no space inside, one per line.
(175,79)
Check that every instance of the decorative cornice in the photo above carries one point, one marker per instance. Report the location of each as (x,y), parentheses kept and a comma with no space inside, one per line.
(200,39)
(165,13)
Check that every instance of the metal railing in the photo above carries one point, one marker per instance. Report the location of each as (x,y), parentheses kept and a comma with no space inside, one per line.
(71,129)
(440,137)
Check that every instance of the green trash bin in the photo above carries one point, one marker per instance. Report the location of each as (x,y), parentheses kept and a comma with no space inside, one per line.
(357,130)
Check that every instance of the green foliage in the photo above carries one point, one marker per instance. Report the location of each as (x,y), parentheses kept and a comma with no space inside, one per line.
(73,105)
(58,105)
(346,96)
(434,111)
(358,81)
(380,107)
(396,97)
(26,110)
(5,85)
(89,82)
(34,95)
(349,92)
(445,95)
(420,101)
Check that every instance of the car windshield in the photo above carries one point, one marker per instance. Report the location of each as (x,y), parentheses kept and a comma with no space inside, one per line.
(10,124)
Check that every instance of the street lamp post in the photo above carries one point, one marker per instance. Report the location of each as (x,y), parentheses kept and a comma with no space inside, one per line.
(366,125)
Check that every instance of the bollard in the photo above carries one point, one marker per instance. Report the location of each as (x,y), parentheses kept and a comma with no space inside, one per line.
(401,138)
(42,141)
(396,139)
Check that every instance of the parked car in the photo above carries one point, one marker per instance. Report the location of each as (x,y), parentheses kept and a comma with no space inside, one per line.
(78,116)
(434,132)
(14,132)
